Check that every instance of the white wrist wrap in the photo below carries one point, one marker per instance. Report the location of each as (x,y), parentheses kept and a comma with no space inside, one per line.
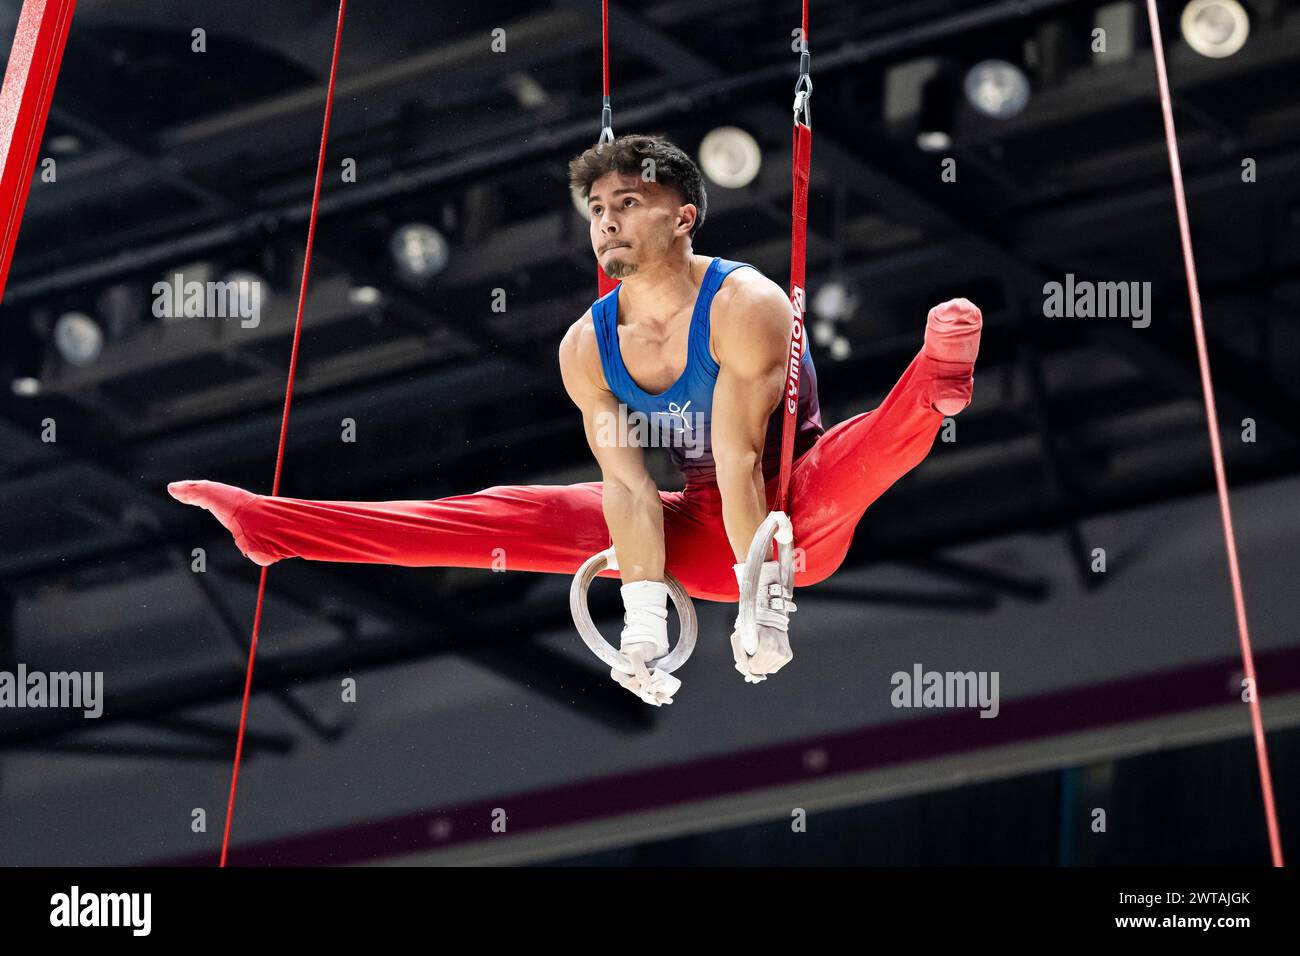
(645,615)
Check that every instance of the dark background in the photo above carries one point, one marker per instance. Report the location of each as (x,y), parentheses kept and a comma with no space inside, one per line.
(1084,433)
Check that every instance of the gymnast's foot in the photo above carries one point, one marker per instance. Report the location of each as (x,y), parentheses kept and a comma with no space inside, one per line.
(225,502)
(952,340)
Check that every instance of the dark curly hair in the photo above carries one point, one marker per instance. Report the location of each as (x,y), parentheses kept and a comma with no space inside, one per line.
(626,154)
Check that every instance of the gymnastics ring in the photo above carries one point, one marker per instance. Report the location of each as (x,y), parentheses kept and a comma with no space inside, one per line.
(674,659)
(775,527)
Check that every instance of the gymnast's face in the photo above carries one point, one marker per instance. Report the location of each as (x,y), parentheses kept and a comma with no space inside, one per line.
(634,223)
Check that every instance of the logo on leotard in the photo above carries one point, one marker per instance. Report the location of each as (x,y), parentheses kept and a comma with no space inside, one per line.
(675,409)
(678,427)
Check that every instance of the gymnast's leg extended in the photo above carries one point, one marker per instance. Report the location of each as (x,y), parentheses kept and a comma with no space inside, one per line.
(546,528)
(850,466)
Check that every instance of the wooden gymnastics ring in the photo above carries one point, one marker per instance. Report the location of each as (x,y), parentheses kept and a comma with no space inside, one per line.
(675,657)
(775,527)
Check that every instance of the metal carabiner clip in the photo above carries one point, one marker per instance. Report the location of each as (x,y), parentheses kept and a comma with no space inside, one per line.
(606,124)
(803,88)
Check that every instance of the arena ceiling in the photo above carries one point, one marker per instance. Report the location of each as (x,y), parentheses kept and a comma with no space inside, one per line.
(170,161)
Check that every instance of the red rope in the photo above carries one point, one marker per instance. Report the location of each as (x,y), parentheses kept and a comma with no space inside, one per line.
(40,37)
(284,420)
(604,40)
(1212,418)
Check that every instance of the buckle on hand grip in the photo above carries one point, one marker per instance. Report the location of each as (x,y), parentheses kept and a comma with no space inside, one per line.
(775,527)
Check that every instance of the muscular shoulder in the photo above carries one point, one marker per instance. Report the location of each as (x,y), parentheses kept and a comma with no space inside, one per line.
(749,323)
(580,357)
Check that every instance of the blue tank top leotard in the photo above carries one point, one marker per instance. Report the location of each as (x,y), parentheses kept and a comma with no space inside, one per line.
(679,417)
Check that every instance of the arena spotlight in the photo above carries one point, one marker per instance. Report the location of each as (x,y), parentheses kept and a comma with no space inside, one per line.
(997,88)
(527,91)
(730,157)
(933,140)
(834,301)
(1215,28)
(364,295)
(78,338)
(419,251)
(65,144)
(22,354)
(938,108)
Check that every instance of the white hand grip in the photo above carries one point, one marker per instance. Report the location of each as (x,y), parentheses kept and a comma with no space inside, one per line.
(776,526)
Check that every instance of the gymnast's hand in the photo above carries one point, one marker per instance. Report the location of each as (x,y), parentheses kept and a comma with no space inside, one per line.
(772,620)
(773,653)
(655,687)
(645,640)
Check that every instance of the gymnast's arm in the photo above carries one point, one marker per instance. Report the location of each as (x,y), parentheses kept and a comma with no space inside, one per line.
(750,336)
(633,512)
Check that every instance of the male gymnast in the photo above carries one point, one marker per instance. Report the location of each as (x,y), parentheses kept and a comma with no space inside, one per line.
(697,346)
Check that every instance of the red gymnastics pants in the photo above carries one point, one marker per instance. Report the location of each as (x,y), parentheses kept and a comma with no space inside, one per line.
(554,528)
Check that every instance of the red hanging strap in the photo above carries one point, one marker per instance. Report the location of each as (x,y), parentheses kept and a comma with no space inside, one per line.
(284,420)
(801,166)
(30,76)
(604,41)
(802,153)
